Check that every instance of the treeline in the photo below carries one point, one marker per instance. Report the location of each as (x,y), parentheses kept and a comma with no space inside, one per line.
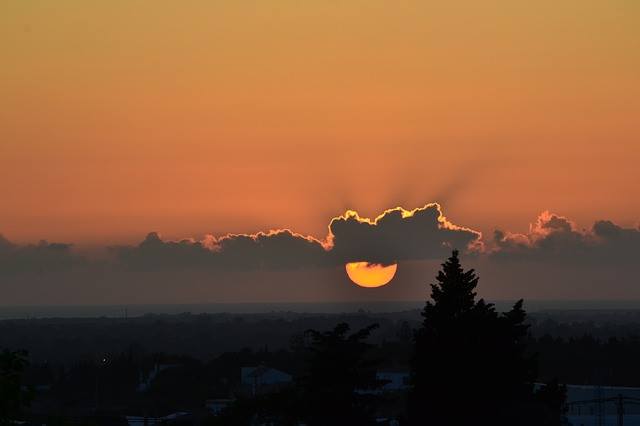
(205,336)
(587,360)
(201,336)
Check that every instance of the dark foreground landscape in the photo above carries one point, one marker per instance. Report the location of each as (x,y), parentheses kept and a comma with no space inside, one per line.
(156,365)
(287,367)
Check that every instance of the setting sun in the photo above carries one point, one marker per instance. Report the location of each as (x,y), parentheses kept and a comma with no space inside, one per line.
(370,275)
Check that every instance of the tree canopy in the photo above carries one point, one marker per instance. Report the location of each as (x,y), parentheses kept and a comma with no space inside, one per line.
(13,397)
(469,360)
(337,369)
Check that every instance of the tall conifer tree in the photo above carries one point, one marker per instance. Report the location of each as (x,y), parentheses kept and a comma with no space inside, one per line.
(469,365)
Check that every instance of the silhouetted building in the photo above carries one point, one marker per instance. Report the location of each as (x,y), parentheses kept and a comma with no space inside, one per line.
(393,380)
(173,418)
(217,406)
(263,379)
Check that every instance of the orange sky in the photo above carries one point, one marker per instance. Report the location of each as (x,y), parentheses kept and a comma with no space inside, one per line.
(118,118)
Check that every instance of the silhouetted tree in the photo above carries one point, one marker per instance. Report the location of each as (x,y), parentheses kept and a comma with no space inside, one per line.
(552,397)
(337,367)
(12,395)
(469,363)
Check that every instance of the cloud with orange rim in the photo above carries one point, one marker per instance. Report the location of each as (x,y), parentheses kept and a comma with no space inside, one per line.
(395,235)
(398,234)
(553,258)
(553,238)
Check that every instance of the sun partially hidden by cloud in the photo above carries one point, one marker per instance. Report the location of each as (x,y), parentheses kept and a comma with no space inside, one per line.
(554,258)
(398,234)
(370,275)
(395,235)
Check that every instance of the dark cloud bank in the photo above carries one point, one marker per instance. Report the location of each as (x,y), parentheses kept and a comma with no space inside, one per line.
(279,265)
(554,238)
(38,258)
(395,235)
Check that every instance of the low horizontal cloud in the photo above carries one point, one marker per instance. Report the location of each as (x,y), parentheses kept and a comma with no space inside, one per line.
(282,249)
(40,258)
(554,258)
(556,238)
(395,235)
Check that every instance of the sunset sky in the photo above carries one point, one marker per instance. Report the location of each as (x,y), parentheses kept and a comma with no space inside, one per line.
(119,118)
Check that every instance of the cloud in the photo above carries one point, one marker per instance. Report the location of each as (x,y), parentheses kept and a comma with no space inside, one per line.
(155,253)
(280,249)
(555,258)
(40,258)
(398,234)
(557,239)
(395,235)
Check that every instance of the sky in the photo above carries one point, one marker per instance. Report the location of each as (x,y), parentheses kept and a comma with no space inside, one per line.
(206,118)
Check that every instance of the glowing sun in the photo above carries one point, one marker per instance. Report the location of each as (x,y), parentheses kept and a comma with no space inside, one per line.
(370,275)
